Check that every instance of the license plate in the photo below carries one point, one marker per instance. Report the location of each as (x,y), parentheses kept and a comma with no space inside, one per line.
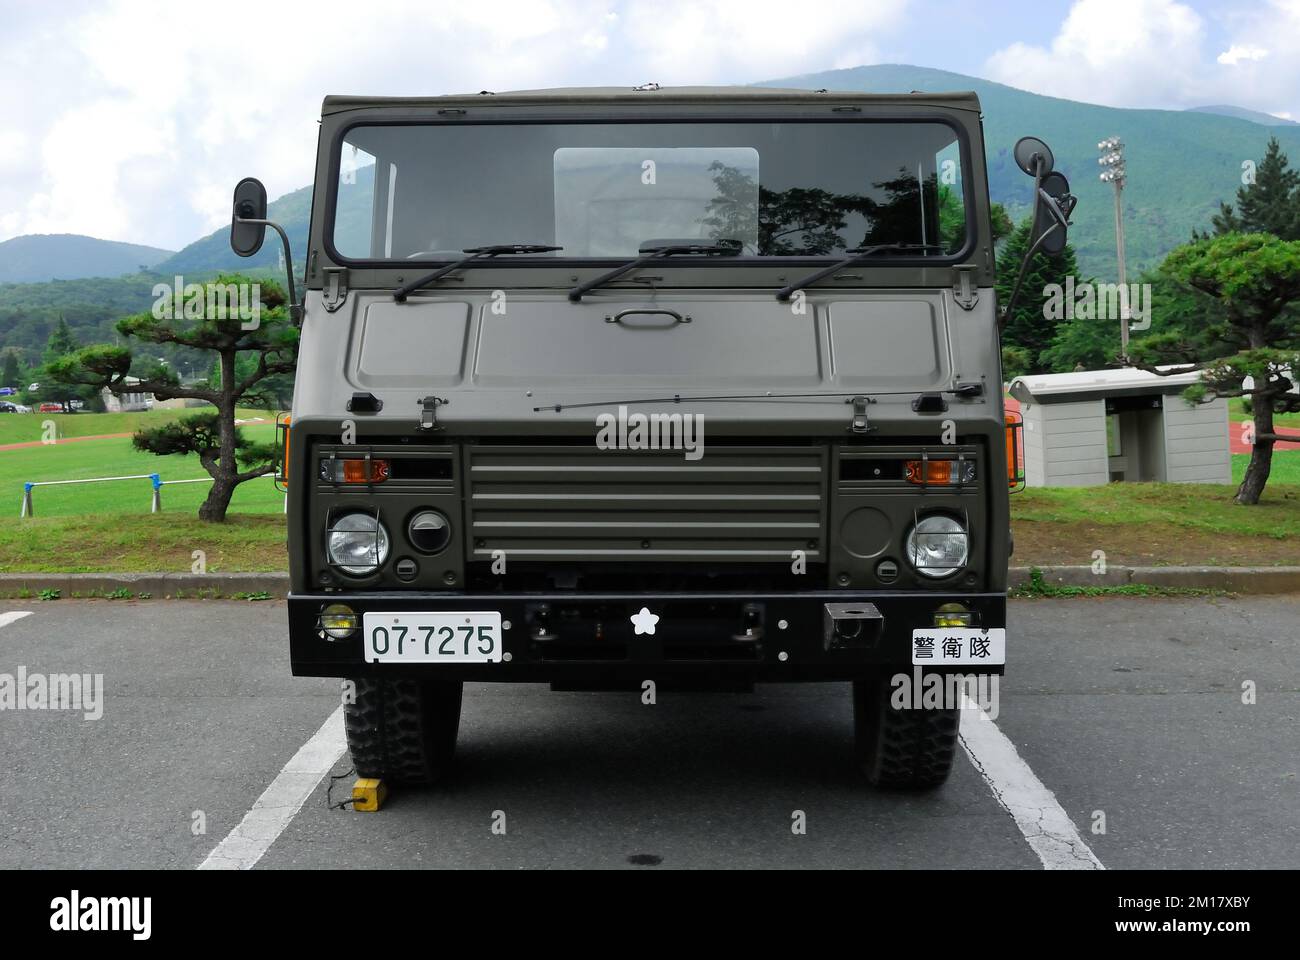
(463,636)
(960,646)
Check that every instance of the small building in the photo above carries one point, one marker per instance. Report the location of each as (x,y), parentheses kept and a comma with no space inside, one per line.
(127,402)
(1096,426)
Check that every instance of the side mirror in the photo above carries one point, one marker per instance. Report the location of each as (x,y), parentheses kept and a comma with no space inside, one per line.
(1054,206)
(248,225)
(250,205)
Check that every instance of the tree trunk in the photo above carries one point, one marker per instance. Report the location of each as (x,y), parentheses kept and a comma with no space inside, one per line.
(225,470)
(1261,452)
(213,509)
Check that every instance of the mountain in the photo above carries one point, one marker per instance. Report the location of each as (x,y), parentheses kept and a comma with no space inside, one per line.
(212,253)
(1254,116)
(1181,163)
(68,256)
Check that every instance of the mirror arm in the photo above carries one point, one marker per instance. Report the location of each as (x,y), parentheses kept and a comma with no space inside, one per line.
(1005,312)
(295,308)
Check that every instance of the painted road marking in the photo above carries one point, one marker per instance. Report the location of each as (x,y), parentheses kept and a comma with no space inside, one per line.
(1047,827)
(281,801)
(13,615)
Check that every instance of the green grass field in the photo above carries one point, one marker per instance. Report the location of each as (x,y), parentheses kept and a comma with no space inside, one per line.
(93,527)
(114,457)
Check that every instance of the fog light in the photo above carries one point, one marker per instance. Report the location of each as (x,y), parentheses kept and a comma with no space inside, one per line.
(952,615)
(338,621)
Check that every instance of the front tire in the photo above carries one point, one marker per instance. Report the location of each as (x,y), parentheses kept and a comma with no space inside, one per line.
(403,731)
(907,748)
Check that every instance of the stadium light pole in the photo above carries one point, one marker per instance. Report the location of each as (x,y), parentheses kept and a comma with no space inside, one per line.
(1114,173)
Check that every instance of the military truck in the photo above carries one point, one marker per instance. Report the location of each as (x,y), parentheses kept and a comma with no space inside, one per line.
(613,388)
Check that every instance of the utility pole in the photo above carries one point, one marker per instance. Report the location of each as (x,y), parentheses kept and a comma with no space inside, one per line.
(1114,173)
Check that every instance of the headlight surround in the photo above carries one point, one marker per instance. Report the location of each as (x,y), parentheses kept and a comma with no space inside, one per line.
(357,543)
(938,545)
(429,531)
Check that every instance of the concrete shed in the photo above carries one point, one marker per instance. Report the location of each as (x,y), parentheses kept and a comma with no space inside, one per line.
(1096,426)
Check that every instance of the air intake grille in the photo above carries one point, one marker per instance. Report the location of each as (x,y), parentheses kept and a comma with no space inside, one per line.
(567,503)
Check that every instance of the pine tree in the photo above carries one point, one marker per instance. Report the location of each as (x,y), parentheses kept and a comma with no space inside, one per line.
(61,342)
(10,374)
(1269,204)
(1028,327)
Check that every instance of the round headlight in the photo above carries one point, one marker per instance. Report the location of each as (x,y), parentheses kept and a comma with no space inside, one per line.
(429,531)
(357,543)
(937,546)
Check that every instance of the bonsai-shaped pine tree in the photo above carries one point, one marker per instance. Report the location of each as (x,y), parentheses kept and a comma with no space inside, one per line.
(1255,280)
(271,341)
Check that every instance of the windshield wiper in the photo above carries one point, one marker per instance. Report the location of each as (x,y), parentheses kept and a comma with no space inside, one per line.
(475,253)
(860,254)
(656,250)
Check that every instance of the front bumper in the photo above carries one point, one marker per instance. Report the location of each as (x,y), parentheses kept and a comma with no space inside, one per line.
(775,637)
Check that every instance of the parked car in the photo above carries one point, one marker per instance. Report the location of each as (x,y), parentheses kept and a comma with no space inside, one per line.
(50,408)
(6,407)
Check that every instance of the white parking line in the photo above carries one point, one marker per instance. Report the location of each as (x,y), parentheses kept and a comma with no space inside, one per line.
(1047,827)
(281,801)
(11,616)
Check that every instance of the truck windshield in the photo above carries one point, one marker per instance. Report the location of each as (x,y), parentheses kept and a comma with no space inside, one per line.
(427,192)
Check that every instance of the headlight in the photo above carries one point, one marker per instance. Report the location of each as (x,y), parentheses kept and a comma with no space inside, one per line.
(937,546)
(429,531)
(357,543)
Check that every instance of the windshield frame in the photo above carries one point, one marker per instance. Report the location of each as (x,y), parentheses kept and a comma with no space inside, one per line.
(750,261)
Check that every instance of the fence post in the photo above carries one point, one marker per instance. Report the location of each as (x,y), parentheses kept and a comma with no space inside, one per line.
(27,500)
(157,493)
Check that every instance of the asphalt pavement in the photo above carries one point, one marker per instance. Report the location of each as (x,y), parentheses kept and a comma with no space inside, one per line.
(1127,714)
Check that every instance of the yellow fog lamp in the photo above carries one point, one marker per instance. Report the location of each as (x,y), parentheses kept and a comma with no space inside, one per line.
(952,615)
(338,621)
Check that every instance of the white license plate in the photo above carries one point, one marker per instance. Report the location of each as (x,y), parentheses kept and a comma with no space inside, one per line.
(462,636)
(960,646)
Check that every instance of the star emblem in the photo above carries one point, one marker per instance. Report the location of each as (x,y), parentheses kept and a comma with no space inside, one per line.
(644,621)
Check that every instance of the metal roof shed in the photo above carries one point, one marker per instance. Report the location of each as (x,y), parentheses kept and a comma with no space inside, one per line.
(1095,426)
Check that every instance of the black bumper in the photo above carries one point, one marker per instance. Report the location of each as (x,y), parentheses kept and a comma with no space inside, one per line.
(774,637)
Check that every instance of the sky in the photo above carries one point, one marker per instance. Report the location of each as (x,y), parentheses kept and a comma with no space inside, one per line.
(133,119)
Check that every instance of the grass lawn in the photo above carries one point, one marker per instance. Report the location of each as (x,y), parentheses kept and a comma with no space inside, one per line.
(142,543)
(29,427)
(1158,524)
(115,457)
(1237,414)
(106,527)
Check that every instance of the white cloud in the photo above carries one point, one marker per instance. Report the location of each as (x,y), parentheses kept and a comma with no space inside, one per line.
(1237,53)
(1152,53)
(133,119)
(1117,52)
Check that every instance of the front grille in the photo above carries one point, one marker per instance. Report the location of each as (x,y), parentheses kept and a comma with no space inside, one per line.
(568,503)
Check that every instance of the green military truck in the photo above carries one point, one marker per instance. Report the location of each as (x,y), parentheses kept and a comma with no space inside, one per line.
(608,387)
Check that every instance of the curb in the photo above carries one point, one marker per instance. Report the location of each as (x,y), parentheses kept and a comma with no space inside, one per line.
(157,585)
(1246,580)
(1251,580)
